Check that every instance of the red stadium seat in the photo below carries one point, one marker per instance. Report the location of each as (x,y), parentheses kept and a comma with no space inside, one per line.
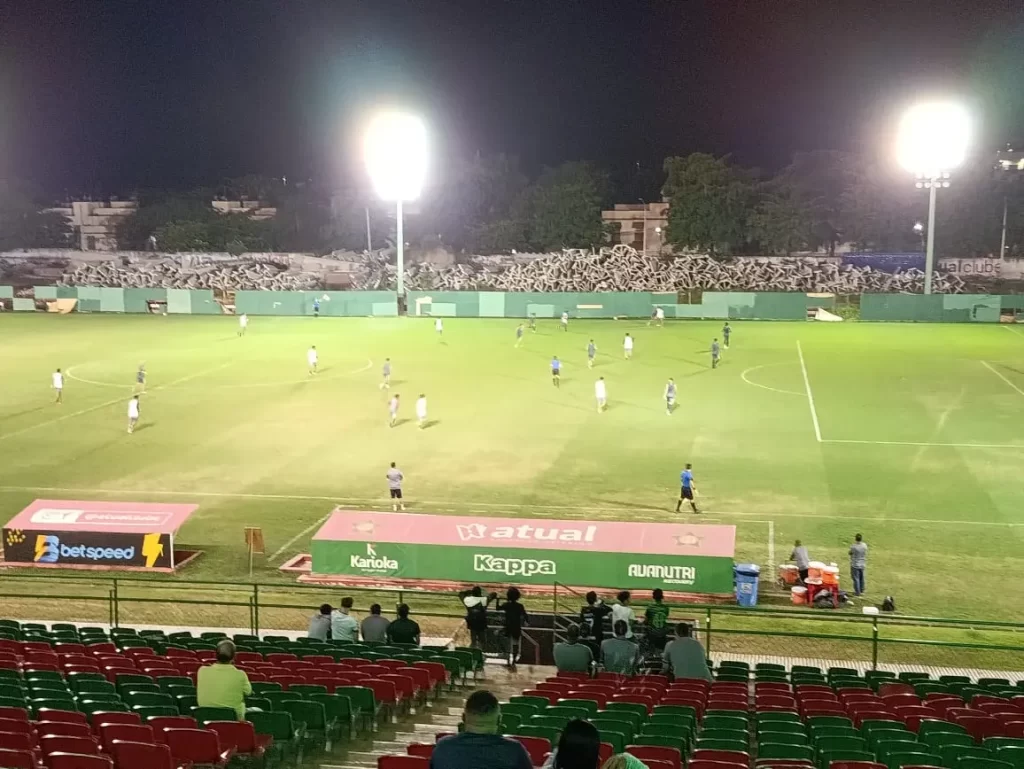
(132,755)
(159,723)
(734,757)
(78,761)
(125,733)
(403,762)
(51,714)
(59,744)
(101,717)
(17,759)
(895,688)
(242,738)
(15,714)
(537,747)
(63,729)
(421,749)
(656,753)
(197,746)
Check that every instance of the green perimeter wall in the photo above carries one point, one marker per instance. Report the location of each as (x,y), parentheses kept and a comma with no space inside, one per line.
(936,308)
(696,574)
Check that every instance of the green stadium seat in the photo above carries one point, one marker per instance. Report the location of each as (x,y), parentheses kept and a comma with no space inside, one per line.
(338,713)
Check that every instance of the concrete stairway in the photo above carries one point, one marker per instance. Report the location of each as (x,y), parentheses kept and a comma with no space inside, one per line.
(443,715)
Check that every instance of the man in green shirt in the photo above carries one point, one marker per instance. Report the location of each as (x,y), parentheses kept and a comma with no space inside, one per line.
(685,656)
(619,653)
(222,685)
(403,630)
(572,656)
(656,620)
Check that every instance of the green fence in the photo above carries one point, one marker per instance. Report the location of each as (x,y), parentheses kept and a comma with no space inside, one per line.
(261,608)
(721,305)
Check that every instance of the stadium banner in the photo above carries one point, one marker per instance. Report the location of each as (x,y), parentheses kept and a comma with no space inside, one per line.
(98,535)
(680,557)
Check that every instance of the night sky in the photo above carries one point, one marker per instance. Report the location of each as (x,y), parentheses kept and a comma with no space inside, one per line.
(107,96)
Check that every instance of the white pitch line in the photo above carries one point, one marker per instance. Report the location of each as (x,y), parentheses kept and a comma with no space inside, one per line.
(107,403)
(299,536)
(1014,331)
(810,395)
(995,371)
(743,376)
(377,502)
(935,445)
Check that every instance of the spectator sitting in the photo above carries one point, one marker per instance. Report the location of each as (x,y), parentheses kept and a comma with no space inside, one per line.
(619,654)
(403,630)
(343,625)
(656,620)
(375,627)
(320,623)
(579,747)
(479,746)
(572,656)
(685,656)
(222,685)
(622,611)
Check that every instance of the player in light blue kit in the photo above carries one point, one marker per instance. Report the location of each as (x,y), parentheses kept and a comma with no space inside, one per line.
(670,396)
(716,353)
(556,371)
(687,490)
(591,354)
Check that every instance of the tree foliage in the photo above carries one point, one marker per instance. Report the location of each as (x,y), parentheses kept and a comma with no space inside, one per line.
(23,221)
(564,207)
(711,203)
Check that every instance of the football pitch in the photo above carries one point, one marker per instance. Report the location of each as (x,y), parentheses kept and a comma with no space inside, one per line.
(910,434)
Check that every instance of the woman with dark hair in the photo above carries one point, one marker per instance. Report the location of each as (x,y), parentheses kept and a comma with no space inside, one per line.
(578,748)
(515,618)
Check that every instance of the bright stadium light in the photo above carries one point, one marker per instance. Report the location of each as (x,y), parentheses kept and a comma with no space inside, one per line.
(396,158)
(932,140)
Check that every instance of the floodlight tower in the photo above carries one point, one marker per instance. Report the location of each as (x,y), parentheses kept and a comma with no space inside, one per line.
(396,159)
(932,141)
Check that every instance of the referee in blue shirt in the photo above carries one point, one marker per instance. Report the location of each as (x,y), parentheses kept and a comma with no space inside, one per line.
(686,489)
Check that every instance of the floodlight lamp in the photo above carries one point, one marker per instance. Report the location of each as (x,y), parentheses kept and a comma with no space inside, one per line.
(933,138)
(396,155)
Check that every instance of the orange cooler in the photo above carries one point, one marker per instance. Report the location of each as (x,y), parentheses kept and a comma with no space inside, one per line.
(830,576)
(789,574)
(798,595)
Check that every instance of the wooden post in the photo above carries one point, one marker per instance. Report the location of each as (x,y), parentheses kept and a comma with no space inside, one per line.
(254,543)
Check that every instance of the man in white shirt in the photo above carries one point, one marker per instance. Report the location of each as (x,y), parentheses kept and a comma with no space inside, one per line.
(659,316)
(344,626)
(58,385)
(243,323)
(565,321)
(623,611)
(421,410)
(438,327)
(311,359)
(133,413)
(601,393)
(627,346)
(393,410)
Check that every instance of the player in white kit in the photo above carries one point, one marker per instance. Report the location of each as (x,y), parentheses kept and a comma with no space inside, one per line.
(627,346)
(601,393)
(133,413)
(438,327)
(58,385)
(393,411)
(565,321)
(421,411)
(243,324)
(311,360)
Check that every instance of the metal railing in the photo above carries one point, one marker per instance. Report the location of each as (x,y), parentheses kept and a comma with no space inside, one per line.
(259,607)
(836,634)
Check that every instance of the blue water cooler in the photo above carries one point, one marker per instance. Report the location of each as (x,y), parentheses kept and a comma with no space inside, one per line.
(747,576)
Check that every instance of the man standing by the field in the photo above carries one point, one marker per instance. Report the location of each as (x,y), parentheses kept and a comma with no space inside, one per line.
(726,333)
(601,393)
(565,320)
(687,490)
(393,410)
(519,334)
(556,371)
(140,378)
(316,308)
(591,353)
(243,324)
(858,563)
(627,347)
(58,385)
(385,372)
(311,359)
(716,353)
(395,478)
(670,396)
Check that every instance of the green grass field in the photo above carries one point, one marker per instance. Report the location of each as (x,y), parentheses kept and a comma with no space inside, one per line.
(921,434)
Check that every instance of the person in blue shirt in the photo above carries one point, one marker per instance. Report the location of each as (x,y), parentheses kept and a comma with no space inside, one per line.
(556,371)
(316,308)
(140,379)
(726,331)
(591,353)
(716,353)
(687,489)
(519,334)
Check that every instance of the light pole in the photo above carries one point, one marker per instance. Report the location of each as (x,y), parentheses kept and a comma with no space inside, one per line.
(932,140)
(645,224)
(396,159)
